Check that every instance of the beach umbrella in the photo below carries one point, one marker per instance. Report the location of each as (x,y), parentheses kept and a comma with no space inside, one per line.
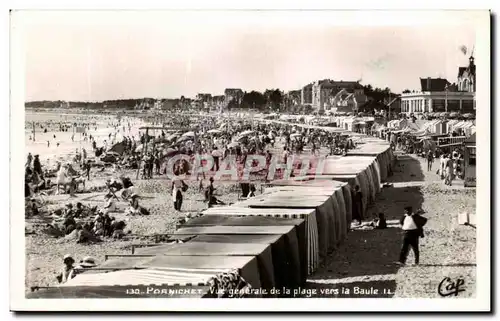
(184,138)
(169,152)
(188,134)
(246,133)
(118,148)
(217,153)
(241,138)
(172,137)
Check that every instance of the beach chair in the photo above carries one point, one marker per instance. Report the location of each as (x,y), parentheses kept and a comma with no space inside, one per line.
(111,191)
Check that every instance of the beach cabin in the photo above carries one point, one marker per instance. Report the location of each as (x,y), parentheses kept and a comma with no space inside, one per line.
(348,123)
(469,129)
(439,126)
(470,161)
(450,125)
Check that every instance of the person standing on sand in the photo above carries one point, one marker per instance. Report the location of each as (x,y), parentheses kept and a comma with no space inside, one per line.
(178,186)
(357,204)
(86,168)
(412,225)
(37,167)
(430,160)
(29,160)
(448,165)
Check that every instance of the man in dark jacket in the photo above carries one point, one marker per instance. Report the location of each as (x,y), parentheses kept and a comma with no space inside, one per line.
(430,160)
(37,167)
(412,225)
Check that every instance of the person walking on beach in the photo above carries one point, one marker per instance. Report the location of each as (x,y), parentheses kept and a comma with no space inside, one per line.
(441,166)
(178,187)
(448,170)
(48,143)
(86,168)
(157,164)
(412,225)
(430,160)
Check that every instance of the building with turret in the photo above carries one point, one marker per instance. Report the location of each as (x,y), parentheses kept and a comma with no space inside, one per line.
(439,95)
(466,80)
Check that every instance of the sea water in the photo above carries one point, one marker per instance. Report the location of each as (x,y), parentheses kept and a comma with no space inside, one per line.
(100,128)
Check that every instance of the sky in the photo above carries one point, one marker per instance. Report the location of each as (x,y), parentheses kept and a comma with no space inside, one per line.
(95,56)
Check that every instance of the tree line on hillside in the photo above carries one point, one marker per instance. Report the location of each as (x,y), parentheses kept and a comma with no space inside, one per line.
(119,103)
(270,99)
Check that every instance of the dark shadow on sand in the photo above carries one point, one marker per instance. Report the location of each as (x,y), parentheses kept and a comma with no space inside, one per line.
(407,169)
(372,252)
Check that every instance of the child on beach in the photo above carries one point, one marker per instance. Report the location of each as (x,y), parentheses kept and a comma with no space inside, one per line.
(380,222)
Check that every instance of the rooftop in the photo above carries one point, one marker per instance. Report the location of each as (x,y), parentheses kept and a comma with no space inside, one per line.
(433,84)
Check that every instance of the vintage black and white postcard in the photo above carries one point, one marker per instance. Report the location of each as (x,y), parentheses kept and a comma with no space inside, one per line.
(250,160)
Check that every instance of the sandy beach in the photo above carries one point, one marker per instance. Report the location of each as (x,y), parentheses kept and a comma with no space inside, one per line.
(100,128)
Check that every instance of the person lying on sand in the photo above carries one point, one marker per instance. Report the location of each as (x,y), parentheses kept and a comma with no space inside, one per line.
(380,222)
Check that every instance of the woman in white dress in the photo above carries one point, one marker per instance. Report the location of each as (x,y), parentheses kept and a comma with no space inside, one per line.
(61,178)
(442,163)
